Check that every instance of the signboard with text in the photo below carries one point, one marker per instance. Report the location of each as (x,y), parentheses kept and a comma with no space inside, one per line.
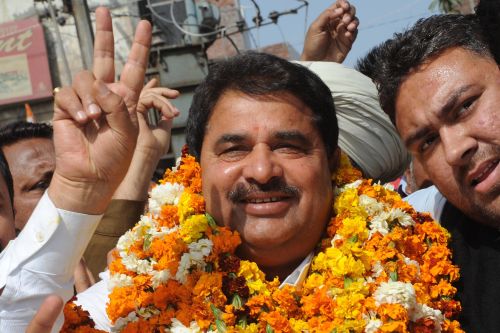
(24,67)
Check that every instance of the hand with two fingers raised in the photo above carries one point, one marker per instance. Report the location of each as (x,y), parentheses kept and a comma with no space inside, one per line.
(95,123)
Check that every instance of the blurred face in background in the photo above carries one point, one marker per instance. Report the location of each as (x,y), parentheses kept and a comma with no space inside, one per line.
(7,231)
(32,163)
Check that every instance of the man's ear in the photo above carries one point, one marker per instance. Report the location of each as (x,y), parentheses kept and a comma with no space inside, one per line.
(334,160)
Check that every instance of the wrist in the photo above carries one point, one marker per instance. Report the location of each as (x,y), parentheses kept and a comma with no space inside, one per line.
(136,183)
(80,196)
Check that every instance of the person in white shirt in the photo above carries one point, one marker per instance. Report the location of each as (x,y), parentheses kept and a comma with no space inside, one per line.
(94,141)
(7,229)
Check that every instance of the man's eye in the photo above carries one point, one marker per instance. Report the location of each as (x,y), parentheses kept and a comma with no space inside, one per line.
(41,185)
(466,106)
(288,149)
(427,143)
(233,152)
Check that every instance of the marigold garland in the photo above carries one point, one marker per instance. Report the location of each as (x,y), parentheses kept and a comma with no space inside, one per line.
(383,267)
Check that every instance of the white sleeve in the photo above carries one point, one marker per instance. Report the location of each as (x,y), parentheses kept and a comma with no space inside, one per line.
(41,261)
(428,200)
(94,300)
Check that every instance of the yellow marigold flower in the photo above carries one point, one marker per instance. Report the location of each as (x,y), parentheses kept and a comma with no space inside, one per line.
(349,306)
(185,208)
(347,200)
(339,263)
(251,328)
(354,227)
(253,275)
(314,281)
(193,228)
(299,325)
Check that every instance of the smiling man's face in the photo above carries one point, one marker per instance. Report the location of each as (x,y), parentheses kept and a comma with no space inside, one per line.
(448,114)
(266,174)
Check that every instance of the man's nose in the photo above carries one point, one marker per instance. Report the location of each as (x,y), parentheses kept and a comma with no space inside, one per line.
(459,147)
(262,165)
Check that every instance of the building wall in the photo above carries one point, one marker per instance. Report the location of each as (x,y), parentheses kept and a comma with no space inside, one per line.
(124,20)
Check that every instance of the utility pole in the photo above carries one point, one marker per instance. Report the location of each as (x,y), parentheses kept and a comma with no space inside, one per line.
(66,71)
(84,31)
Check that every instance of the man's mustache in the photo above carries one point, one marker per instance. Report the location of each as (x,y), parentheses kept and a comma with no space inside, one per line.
(242,191)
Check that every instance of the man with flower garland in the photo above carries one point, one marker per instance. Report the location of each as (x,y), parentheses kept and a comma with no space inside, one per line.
(304,144)
(440,84)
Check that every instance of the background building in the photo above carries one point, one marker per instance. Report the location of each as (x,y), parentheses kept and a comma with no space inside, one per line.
(43,44)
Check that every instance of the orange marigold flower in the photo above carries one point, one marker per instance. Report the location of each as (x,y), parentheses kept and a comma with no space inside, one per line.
(169,216)
(276,321)
(256,304)
(394,327)
(452,327)
(392,312)
(286,300)
(442,289)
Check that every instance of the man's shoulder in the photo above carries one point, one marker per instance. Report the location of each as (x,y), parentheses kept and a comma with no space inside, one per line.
(428,200)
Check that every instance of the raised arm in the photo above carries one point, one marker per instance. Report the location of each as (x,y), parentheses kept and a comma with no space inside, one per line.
(152,143)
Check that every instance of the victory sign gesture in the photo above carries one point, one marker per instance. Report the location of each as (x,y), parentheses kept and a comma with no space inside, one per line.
(95,123)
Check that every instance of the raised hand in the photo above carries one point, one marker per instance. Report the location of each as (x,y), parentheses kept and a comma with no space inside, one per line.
(156,138)
(153,141)
(331,35)
(95,123)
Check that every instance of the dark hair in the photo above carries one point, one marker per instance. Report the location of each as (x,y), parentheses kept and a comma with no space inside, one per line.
(392,61)
(260,74)
(7,177)
(20,130)
(488,13)
(367,65)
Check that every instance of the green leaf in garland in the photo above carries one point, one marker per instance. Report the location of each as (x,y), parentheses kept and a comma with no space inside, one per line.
(209,267)
(236,302)
(221,326)
(242,322)
(211,221)
(147,241)
(269,329)
(217,313)
(347,282)
(393,275)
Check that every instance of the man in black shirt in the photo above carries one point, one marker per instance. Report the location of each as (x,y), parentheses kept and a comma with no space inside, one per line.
(440,84)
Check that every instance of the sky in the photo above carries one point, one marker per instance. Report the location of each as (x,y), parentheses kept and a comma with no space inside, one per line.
(379,19)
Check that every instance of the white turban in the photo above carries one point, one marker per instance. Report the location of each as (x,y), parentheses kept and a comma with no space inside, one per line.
(366,133)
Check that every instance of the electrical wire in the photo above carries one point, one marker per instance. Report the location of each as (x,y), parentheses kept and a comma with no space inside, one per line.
(391,13)
(224,30)
(282,34)
(393,21)
(177,25)
(306,17)
(258,17)
(232,42)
